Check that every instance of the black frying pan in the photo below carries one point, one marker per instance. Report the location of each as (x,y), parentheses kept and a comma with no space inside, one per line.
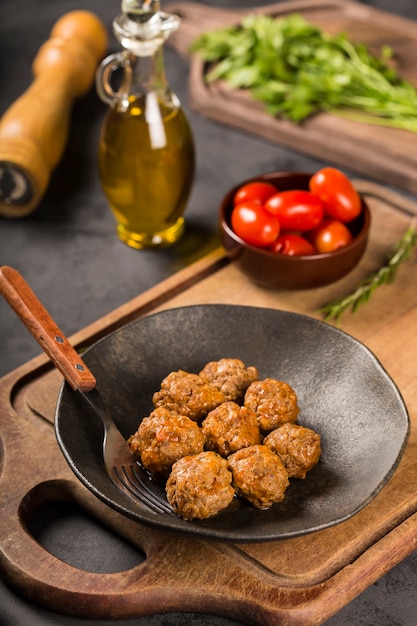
(343,391)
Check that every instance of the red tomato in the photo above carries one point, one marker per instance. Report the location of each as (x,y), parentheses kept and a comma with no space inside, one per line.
(340,198)
(292,245)
(257,191)
(296,209)
(330,235)
(254,225)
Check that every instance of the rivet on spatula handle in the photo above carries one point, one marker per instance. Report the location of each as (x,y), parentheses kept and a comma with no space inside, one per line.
(43,328)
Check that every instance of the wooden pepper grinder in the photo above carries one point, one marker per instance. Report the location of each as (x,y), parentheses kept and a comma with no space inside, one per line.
(34,130)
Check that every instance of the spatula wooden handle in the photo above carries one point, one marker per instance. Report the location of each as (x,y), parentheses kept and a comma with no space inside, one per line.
(34,130)
(43,328)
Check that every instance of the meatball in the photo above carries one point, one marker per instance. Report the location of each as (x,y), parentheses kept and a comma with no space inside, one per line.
(298,448)
(258,476)
(164,437)
(200,486)
(274,402)
(230,376)
(187,394)
(230,427)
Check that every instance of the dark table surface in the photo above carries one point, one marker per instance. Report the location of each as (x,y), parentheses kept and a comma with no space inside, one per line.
(68,252)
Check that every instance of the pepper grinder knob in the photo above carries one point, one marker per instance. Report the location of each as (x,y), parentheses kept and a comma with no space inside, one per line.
(34,130)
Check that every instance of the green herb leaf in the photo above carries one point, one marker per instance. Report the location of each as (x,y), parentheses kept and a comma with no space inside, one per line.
(296,70)
(385,275)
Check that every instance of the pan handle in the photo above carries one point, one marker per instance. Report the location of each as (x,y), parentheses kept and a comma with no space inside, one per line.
(40,324)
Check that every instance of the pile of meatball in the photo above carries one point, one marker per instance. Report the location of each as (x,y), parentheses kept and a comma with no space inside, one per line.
(221,434)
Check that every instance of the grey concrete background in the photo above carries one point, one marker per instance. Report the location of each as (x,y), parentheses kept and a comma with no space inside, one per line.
(68,252)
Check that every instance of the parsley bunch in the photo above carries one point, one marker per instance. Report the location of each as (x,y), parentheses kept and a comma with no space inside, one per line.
(296,70)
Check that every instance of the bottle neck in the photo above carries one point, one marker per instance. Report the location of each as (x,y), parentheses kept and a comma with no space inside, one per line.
(142,60)
(145,74)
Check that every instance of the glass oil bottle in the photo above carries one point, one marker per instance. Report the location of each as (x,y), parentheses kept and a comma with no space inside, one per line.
(146,149)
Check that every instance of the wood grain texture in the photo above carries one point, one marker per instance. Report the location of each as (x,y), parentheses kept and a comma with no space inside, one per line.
(385,154)
(45,331)
(300,581)
(34,129)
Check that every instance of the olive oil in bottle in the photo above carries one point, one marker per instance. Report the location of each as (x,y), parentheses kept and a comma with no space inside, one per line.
(146,149)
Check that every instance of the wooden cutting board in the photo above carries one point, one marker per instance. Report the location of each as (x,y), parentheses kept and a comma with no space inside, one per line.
(386,154)
(300,581)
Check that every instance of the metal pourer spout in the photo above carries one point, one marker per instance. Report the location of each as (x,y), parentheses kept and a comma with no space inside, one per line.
(142,28)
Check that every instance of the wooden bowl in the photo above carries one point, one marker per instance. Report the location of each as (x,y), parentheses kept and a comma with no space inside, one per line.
(278,271)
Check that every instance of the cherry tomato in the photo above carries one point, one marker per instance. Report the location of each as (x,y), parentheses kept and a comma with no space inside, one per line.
(330,235)
(340,198)
(254,225)
(292,245)
(296,209)
(257,191)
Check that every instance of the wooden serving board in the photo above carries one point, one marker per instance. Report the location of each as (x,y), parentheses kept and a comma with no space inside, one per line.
(297,581)
(386,154)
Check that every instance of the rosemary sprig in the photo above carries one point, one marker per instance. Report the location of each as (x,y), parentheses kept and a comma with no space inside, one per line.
(385,275)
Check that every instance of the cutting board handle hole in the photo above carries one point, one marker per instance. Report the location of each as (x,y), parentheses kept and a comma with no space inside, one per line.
(60,525)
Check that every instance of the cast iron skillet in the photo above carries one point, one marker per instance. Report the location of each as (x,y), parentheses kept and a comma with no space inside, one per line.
(343,391)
